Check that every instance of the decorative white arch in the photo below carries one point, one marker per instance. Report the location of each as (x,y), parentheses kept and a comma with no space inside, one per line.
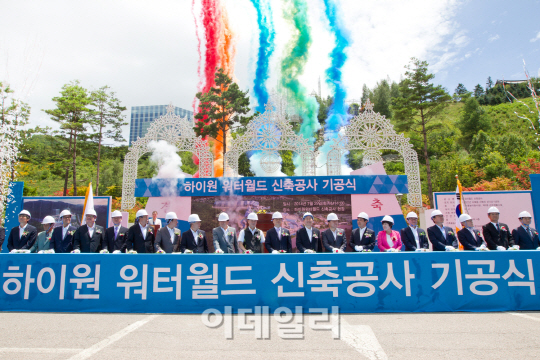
(270,132)
(175,130)
(372,132)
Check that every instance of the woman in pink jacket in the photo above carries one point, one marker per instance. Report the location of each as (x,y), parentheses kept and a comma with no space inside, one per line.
(388,238)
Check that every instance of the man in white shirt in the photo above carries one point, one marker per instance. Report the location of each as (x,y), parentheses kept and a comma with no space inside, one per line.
(140,236)
(469,238)
(251,238)
(194,240)
(168,237)
(62,236)
(154,220)
(278,239)
(334,239)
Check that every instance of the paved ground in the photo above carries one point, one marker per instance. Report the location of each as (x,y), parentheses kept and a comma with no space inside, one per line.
(381,336)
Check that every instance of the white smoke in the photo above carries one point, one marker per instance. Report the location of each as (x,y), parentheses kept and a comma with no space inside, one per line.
(166,157)
(255,166)
(169,164)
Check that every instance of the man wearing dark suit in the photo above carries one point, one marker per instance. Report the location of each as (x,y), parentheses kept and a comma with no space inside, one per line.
(224,236)
(115,236)
(525,236)
(22,237)
(194,239)
(412,236)
(89,237)
(141,235)
(277,238)
(62,236)
(334,239)
(308,238)
(497,234)
(168,237)
(2,236)
(362,239)
(467,236)
(441,237)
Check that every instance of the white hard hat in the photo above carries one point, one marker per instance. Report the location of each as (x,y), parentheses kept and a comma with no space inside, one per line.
(493,209)
(193,218)
(363,215)
(307,214)
(48,220)
(435,213)
(331,217)
(253,216)
(171,216)
(277,215)
(524,214)
(91,212)
(412,215)
(140,213)
(223,217)
(388,218)
(464,217)
(65,213)
(25,212)
(116,213)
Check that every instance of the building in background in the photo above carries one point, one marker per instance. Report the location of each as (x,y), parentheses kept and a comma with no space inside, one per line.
(143,116)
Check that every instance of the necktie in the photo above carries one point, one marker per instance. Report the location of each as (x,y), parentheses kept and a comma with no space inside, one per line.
(279,233)
(529,231)
(115,232)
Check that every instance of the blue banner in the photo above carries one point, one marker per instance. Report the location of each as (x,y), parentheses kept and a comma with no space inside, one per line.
(297,185)
(355,283)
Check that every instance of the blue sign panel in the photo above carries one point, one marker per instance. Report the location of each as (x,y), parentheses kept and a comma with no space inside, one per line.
(297,185)
(366,282)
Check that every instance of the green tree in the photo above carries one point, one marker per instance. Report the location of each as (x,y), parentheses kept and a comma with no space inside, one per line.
(478,91)
(381,99)
(73,113)
(489,84)
(417,108)
(354,109)
(473,119)
(366,94)
(108,119)
(220,109)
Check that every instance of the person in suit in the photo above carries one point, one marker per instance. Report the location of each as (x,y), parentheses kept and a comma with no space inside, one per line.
(2,236)
(412,236)
(525,236)
(278,238)
(44,237)
(141,235)
(224,236)
(89,237)
(362,239)
(308,238)
(22,237)
(388,239)
(497,235)
(251,238)
(115,236)
(62,236)
(168,237)
(334,239)
(194,239)
(441,237)
(469,238)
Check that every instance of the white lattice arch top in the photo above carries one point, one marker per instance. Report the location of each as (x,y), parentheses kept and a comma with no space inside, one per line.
(270,132)
(175,130)
(373,132)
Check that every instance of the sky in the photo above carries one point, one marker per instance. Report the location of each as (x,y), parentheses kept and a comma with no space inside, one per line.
(146,51)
